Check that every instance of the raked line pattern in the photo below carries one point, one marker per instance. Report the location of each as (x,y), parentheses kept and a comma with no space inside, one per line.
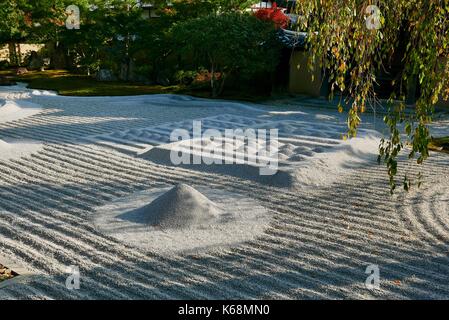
(318,245)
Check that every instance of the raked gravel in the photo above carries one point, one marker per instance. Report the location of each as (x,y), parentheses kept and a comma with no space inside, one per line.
(319,242)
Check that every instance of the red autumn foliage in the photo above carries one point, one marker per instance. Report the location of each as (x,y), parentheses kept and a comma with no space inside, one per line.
(206,76)
(273,14)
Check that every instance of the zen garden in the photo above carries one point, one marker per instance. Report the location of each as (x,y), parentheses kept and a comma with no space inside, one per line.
(224,150)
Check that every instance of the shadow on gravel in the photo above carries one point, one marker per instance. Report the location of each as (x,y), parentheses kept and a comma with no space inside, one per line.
(307,253)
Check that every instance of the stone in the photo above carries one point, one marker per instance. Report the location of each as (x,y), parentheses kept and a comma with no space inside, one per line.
(21,71)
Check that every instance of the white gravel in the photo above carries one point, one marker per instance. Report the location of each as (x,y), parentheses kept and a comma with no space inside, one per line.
(317,242)
(181,219)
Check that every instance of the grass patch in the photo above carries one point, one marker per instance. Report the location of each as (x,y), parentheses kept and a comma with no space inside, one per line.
(439,144)
(69,84)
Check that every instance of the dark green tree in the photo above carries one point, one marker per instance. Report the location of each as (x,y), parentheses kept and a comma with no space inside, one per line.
(14,26)
(228,43)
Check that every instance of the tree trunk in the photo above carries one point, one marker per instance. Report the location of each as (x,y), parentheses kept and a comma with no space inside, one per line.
(212,82)
(222,83)
(58,57)
(12,53)
(19,54)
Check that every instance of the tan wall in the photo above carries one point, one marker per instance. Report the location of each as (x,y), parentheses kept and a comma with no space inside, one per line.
(4,53)
(24,49)
(300,78)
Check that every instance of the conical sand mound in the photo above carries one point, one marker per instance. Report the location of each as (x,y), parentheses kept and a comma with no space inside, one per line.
(180,207)
(177,219)
(17,149)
